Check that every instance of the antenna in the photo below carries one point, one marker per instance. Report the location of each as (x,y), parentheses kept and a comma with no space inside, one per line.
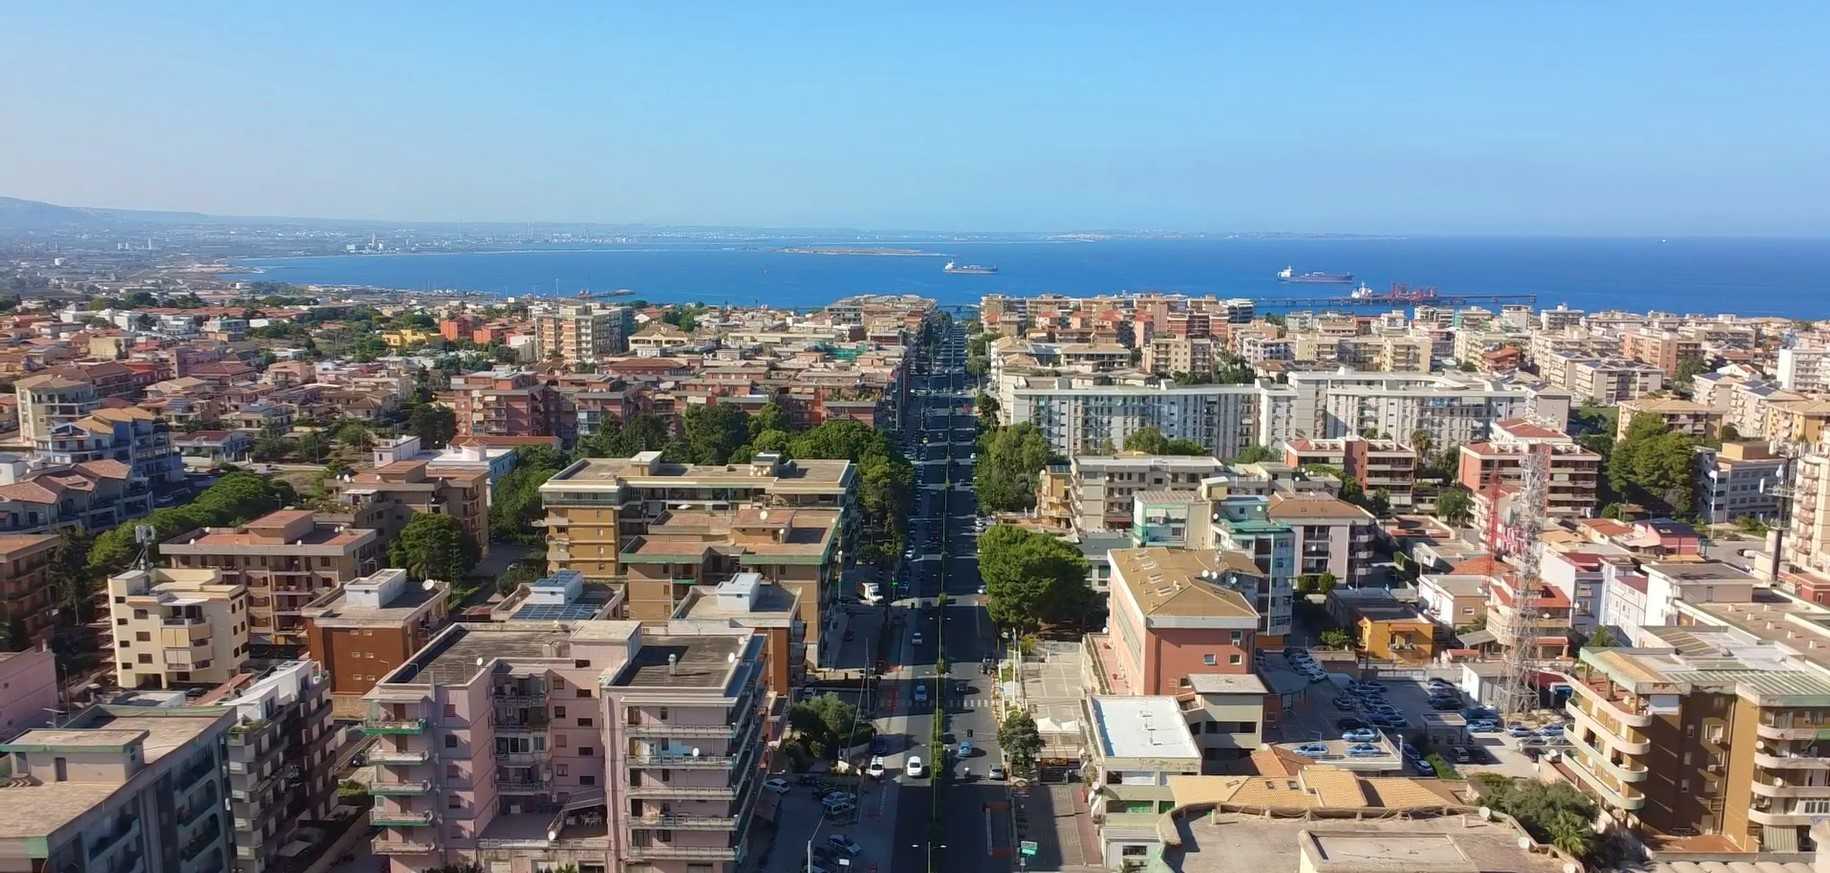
(145,536)
(1523,525)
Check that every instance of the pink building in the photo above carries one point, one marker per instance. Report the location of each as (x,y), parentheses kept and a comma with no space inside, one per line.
(1175,613)
(529,745)
(28,690)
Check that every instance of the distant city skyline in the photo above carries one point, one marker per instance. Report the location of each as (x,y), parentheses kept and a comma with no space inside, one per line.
(1631,119)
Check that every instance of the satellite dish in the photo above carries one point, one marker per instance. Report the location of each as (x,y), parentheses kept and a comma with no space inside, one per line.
(695,751)
(429,584)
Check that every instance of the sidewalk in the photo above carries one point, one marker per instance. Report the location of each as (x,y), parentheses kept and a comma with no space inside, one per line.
(1056,818)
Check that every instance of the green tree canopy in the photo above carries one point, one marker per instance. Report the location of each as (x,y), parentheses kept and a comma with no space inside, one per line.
(1020,740)
(435,425)
(1651,466)
(433,546)
(827,720)
(1032,579)
(713,432)
(1009,459)
(1455,505)
(1151,441)
(1554,813)
(1255,455)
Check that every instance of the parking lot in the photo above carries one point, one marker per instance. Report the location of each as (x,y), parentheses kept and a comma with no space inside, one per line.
(1316,716)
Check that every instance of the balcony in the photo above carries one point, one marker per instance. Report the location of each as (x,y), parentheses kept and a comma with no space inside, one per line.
(1780,787)
(1766,729)
(1604,705)
(675,761)
(662,789)
(700,853)
(397,756)
(1782,817)
(407,788)
(1625,770)
(1610,734)
(664,729)
(400,819)
(685,822)
(400,847)
(409,726)
(113,837)
(1614,794)
(1790,761)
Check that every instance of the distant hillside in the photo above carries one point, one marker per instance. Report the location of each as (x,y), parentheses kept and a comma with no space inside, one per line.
(17,214)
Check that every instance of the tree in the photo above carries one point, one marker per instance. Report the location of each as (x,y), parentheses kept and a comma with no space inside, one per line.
(1254,454)
(1151,441)
(1009,459)
(1554,813)
(71,583)
(1455,505)
(312,447)
(356,435)
(434,425)
(827,720)
(987,408)
(1316,583)
(1032,578)
(1335,638)
(713,431)
(1380,503)
(770,417)
(433,546)
(271,448)
(1020,740)
(1602,638)
(516,502)
(1651,465)
(1729,433)
(1687,370)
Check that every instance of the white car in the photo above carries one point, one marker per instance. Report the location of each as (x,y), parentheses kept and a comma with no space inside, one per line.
(915,638)
(997,772)
(777,785)
(876,768)
(914,768)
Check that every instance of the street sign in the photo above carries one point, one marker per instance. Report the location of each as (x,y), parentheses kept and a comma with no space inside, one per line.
(1028,848)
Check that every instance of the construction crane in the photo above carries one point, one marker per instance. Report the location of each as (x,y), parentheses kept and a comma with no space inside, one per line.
(1524,522)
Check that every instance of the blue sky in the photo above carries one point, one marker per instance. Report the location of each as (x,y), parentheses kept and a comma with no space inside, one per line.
(1582,119)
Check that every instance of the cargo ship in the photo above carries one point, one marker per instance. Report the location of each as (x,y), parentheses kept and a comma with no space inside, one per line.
(1289,274)
(969,269)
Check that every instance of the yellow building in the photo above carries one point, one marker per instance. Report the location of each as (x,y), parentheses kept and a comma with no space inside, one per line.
(177,627)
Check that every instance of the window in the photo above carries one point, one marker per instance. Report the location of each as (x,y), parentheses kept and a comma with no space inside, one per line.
(581,663)
(584,751)
(559,712)
(584,722)
(587,780)
(454,802)
(450,709)
(121,644)
(1238,636)
(1235,658)
(1183,682)
(1813,807)
(1210,660)
(144,659)
(560,769)
(452,772)
(584,692)
(451,741)
(559,741)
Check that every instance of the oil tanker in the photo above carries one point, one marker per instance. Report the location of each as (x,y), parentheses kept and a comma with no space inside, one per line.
(1289,274)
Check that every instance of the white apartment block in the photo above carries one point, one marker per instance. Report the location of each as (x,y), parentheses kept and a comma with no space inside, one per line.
(1451,409)
(1100,487)
(1078,416)
(1804,369)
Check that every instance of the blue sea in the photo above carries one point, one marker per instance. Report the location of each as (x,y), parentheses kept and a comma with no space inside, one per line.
(1788,277)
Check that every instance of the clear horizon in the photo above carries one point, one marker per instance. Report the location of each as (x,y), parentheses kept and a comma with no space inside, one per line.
(1631,120)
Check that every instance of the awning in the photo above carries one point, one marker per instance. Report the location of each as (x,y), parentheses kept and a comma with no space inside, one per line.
(1477,638)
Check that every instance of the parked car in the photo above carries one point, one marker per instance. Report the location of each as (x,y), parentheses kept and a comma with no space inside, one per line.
(1422,767)
(1312,750)
(845,844)
(776,784)
(1444,705)
(965,748)
(1362,735)
(1363,750)
(875,770)
(1518,730)
(914,768)
(996,772)
(1349,724)
(1551,730)
(1344,703)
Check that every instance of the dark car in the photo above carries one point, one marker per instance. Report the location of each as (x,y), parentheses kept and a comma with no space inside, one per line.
(1350,724)
(1344,703)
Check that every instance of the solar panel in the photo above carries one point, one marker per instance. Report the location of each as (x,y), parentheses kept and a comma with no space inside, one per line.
(557,612)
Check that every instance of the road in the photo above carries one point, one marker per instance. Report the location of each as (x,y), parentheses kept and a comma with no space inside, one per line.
(941,437)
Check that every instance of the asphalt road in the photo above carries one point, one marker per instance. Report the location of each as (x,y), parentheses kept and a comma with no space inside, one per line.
(941,437)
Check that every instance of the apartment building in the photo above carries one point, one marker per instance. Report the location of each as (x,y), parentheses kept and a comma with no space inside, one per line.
(1385,465)
(25,587)
(1608,381)
(131,435)
(595,504)
(1729,723)
(602,745)
(747,601)
(286,559)
(387,498)
(1805,370)
(1079,416)
(1532,614)
(1739,480)
(1242,523)
(281,760)
(794,548)
(1174,613)
(581,332)
(1453,600)
(89,497)
(120,788)
(1573,473)
(48,401)
(1451,408)
(1663,349)
(177,627)
(1331,535)
(1137,744)
(1684,416)
(1806,547)
(508,403)
(1100,487)
(1167,355)
(29,694)
(362,630)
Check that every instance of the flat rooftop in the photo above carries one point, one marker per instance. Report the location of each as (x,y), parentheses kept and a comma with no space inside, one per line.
(1141,727)
(1227,842)
(334,610)
(682,661)
(37,811)
(452,658)
(810,474)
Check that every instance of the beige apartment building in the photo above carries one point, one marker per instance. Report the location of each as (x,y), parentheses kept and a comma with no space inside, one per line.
(388,497)
(1609,381)
(1663,349)
(49,401)
(581,332)
(1704,730)
(177,627)
(1684,416)
(596,504)
(286,559)
(599,744)
(1100,487)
